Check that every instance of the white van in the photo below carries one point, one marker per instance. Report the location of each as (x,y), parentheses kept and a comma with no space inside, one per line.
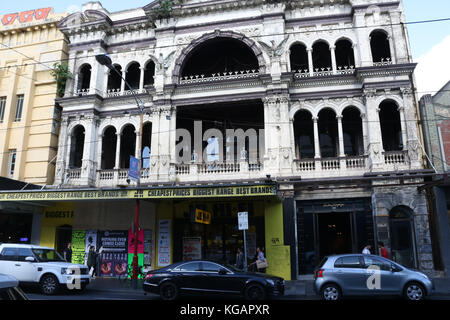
(31,264)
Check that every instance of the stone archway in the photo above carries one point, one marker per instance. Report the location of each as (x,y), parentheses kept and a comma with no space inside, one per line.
(176,75)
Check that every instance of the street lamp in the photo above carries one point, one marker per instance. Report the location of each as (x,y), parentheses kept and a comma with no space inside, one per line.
(106,61)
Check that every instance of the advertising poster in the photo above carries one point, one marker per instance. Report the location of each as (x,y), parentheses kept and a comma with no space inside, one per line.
(148,247)
(251,244)
(91,240)
(192,248)
(140,241)
(113,253)
(78,246)
(164,243)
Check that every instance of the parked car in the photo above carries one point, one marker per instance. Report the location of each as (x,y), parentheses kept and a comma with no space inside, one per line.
(206,277)
(43,266)
(9,289)
(368,276)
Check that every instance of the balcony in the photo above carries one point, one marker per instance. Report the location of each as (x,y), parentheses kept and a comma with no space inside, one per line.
(331,167)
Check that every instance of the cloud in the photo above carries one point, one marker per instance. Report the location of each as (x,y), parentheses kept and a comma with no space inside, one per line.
(433,69)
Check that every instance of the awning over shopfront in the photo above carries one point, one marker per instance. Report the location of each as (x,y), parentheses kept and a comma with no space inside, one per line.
(222,191)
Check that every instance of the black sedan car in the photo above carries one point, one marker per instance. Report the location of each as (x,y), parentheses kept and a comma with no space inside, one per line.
(207,277)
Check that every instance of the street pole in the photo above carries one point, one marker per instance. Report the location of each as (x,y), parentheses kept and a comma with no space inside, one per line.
(245,252)
(136,219)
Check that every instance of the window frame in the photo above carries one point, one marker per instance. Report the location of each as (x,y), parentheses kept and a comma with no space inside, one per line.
(2,108)
(15,257)
(347,266)
(19,107)
(179,268)
(12,164)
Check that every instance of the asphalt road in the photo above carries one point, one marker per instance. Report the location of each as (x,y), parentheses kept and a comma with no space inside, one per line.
(87,294)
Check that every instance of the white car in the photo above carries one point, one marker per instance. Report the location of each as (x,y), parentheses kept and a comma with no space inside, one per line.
(9,289)
(31,264)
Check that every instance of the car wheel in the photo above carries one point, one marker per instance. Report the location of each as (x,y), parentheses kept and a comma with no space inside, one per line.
(414,291)
(168,291)
(49,284)
(331,292)
(255,292)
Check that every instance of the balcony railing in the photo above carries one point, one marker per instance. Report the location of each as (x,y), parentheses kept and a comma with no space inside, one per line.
(74,174)
(321,72)
(383,62)
(325,166)
(330,164)
(240,75)
(305,165)
(395,157)
(207,168)
(355,162)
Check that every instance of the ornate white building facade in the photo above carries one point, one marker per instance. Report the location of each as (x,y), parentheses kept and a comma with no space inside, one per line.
(327,86)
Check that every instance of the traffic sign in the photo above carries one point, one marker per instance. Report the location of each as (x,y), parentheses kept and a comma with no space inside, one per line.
(243,220)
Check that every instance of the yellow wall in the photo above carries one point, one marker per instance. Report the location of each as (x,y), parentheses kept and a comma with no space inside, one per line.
(35,136)
(277,254)
(53,217)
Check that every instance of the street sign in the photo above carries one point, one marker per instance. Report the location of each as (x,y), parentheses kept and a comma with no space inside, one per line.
(133,172)
(243,220)
(202,216)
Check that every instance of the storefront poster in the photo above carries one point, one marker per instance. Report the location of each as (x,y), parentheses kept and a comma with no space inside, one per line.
(78,246)
(251,244)
(90,240)
(148,247)
(113,253)
(192,248)
(164,243)
(140,241)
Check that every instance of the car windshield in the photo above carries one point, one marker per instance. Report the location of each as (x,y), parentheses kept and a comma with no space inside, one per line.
(47,255)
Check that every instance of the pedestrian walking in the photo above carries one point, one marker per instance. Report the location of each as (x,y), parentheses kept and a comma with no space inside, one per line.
(366,249)
(239,259)
(68,253)
(383,250)
(92,262)
(261,261)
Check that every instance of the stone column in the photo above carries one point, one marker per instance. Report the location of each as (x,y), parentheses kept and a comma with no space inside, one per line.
(399,40)
(99,151)
(392,49)
(310,62)
(117,163)
(401,111)
(88,168)
(62,152)
(413,144)
(316,138)
(340,136)
(333,59)
(141,79)
(376,157)
(105,82)
(122,84)
(365,135)
(137,149)
(364,50)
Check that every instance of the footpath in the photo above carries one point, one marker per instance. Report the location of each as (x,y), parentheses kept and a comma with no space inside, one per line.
(302,288)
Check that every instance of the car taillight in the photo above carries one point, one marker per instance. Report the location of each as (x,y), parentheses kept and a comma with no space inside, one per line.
(319,273)
(148,276)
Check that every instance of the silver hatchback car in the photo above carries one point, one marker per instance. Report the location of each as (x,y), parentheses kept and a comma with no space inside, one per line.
(368,276)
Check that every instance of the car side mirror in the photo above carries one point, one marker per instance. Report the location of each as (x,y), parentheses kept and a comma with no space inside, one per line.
(30,259)
(222,272)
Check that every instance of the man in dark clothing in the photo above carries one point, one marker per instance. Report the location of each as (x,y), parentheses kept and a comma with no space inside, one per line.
(68,252)
(239,259)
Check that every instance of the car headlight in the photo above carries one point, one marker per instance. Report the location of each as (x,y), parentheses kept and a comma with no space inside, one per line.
(67,271)
(271,282)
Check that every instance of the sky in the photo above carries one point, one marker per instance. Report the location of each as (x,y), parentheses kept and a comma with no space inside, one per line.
(430,42)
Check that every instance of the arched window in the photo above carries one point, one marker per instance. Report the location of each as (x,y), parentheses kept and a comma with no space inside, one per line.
(328,133)
(84,77)
(219,55)
(304,135)
(77,147)
(299,58)
(127,145)
(391,129)
(345,56)
(114,79)
(149,73)
(146,144)
(321,56)
(133,75)
(401,225)
(109,146)
(353,132)
(379,44)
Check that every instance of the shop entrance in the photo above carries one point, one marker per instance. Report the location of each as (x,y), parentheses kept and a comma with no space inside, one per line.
(63,236)
(335,234)
(220,239)
(326,227)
